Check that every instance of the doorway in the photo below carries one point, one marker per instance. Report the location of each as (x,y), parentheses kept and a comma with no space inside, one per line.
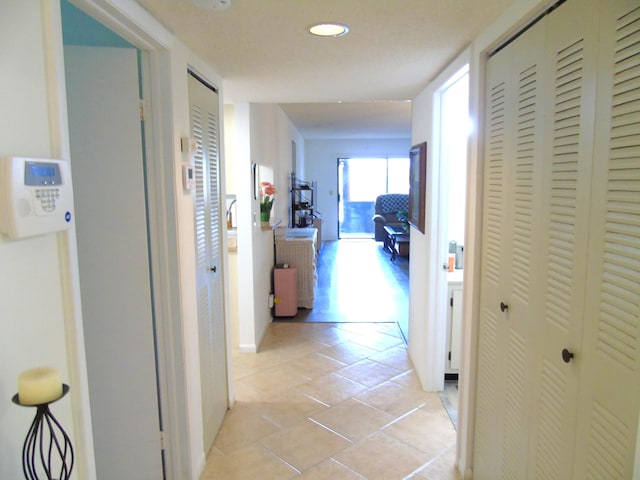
(452,108)
(360,181)
(114,252)
(113,258)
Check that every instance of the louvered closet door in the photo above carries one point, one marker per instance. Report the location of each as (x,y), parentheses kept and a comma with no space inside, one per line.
(581,282)
(211,328)
(571,56)
(512,236)
(522,293)
(610,385)
(491,368)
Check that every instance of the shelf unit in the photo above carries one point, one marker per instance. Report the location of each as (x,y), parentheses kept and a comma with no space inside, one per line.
(302,207)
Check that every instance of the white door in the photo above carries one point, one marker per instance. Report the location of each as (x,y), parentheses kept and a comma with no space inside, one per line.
(562,362)
(113,254)
(571,55)
(203,102)
(609,397)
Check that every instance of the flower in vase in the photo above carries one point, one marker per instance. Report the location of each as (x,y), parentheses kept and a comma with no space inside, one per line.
(267,192)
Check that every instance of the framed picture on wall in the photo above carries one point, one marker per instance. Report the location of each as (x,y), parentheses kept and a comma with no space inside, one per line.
(417,182)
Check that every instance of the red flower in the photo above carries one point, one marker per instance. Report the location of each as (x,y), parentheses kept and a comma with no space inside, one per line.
(267,188)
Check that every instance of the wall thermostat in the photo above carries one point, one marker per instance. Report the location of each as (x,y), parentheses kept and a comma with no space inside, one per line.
(188,177)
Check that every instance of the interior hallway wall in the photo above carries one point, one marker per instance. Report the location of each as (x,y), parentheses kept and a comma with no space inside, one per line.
(40,321)
(259,134)
(37,314)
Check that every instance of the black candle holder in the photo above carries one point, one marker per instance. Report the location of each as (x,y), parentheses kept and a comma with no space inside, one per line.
(47,444)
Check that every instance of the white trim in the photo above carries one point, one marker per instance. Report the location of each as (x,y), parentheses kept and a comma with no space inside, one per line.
(164,242)
(247,348)
(129,20)
(67,247)
(427,323)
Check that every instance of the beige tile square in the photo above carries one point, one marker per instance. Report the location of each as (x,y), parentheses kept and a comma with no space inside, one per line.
(369,373)
(442,468)
(251,462)
(247,393)
(353,419)
(331,388)
(274,379)
(242,427)
(300,349)
(428,430)
(377,341)
(408,380)
(287,408)
(394,399)
(241,369)
(329,470)
(396,357)
(315,365)
(328,336)
(348,352)
(305,444)
(382,457)
(255,362)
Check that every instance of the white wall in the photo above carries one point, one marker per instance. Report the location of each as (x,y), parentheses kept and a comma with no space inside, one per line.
(321,165)
(38,322)
(261,134)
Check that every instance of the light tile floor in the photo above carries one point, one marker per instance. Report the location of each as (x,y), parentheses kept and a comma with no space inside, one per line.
(334,401)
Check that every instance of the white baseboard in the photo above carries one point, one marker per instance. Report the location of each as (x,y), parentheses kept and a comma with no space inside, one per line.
(247,348)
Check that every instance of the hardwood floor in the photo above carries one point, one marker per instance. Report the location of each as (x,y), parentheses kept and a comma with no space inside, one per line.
(357,282)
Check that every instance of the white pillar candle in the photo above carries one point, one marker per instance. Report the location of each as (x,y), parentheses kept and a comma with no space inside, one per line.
(39,385)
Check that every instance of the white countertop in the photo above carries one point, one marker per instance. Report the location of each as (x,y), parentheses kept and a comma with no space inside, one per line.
(455,276)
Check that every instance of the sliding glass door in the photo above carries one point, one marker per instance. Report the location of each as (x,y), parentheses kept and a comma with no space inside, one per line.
(360,181)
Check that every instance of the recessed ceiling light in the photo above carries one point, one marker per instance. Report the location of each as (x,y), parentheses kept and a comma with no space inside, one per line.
(329,29)
(212,4)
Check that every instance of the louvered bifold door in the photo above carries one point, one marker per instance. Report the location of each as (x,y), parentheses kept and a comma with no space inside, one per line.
(567,161)
(491,360)
(610,386)
(211,332)
(522,295)
(512,237)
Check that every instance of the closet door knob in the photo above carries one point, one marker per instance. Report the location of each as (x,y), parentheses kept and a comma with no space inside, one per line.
(567,355)
(213,269)
(503,307)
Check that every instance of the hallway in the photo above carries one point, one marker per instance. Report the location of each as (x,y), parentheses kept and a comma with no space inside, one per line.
(357,282)
(332,401)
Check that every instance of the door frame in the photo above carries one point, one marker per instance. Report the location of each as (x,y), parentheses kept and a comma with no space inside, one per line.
(80,62)
(443,206)
(156,75)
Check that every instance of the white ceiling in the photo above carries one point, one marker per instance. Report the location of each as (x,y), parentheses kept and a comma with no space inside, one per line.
(394,48)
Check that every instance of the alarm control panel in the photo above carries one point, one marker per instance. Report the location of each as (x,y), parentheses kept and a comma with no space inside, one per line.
(36,196)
